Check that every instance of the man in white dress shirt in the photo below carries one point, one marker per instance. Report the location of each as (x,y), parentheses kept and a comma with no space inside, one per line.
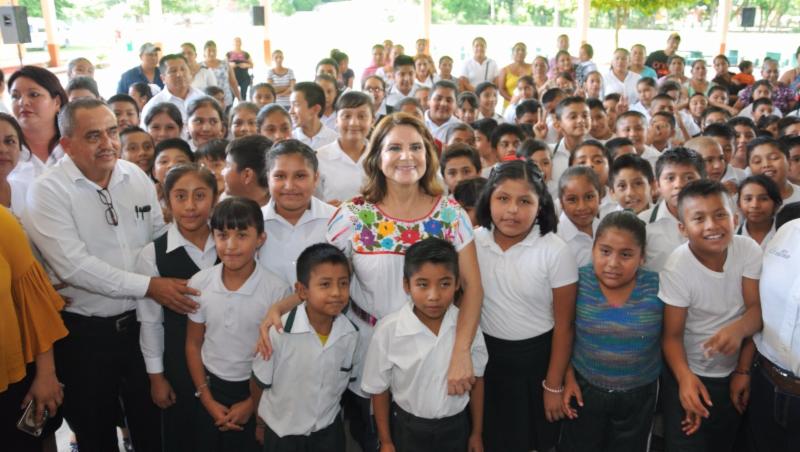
(90,215)
(774,421)
(178,88)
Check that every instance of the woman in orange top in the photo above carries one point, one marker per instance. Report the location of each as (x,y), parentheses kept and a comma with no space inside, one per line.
(29,325)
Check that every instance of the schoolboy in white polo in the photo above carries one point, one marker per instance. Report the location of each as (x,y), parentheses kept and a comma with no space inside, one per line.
(298,390)
(710,287)
(408,357)
(674,169)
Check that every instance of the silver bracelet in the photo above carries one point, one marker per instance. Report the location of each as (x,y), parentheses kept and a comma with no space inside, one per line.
(554,391)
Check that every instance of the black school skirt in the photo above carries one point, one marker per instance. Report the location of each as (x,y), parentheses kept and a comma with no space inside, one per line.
(513,416)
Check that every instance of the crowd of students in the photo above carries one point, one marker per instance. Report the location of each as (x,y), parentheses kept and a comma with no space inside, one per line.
(558,272)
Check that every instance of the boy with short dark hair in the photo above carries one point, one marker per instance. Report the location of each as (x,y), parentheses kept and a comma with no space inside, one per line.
(125,109)
(674,169)
(714,159)
(505,140)
(459,162)
(726,137)
(307,104)
(573,122)
(212,155)
(766,156)
(792,146)
(661,131)
(620,146)
(297,391)
(600,129)
(632,183)
(483,143)
(710,287)
(466,193)
(762,107)
(406,365)
(403,85)
(633,125)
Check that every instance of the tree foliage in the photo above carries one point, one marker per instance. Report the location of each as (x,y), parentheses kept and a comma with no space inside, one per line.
(622,9)
(34,7)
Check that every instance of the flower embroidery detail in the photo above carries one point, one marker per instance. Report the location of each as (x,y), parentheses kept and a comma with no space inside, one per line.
(448,214)
(367,217)
(367,237)
(432,227)
(387,243)
(409,236)
(385,228)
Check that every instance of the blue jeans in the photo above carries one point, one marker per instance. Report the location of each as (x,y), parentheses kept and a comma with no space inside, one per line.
(774,418)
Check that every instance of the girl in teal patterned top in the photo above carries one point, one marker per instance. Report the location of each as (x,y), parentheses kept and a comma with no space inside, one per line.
(611,384)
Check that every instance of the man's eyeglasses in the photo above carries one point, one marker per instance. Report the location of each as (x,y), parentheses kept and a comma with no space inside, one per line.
(111,213)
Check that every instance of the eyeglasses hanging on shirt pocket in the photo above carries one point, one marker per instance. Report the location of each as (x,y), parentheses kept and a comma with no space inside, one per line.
(110,213)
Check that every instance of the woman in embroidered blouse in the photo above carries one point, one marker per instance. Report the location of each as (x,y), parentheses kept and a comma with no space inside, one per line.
(29,325)
(401,204)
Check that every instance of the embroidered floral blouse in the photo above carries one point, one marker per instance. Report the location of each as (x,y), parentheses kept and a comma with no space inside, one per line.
(376,244)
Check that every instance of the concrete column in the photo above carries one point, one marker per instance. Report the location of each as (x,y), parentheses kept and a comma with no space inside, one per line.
(50,27)
(582,20)
(426,26)
(724,20)
(267,4)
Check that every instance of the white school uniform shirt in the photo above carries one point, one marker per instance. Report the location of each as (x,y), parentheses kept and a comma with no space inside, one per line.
(560,159)
(66,220)
(663,235)
(735,174)
(286,241)
(393,96)
(742,230)
(477,72)
(510,113)
(650,154)
(406,358)
(625,87)
(691,127)
(794,197)
(329,121)
(578,242)
(204,78)
(518,283)
(779,339)
(232,318)
(340,178)
(440,131)
(19,190)
(29,167)
(713,299)
(324,137)
(303,380)
(166,96)
(639,106)
(151,314)
(747,112)
(607,205)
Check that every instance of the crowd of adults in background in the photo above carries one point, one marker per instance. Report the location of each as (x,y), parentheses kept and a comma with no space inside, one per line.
(609,230)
